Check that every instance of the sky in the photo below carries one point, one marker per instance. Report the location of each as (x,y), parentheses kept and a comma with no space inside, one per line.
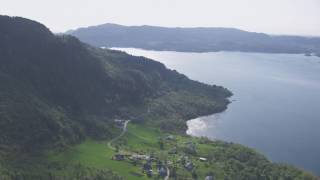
(294,17)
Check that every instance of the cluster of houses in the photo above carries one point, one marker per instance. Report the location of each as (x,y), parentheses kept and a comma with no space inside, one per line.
(161,169)
(188,164)
(147,167)
(151,165)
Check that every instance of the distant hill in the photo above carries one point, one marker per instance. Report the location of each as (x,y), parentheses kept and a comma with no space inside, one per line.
(194,39)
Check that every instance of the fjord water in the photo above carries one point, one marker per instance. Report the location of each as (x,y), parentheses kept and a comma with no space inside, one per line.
(275,108)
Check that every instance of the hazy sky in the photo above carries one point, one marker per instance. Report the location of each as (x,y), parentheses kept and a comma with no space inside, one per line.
(270,16)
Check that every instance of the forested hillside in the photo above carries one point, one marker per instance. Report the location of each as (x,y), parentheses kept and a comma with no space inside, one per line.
(55,89)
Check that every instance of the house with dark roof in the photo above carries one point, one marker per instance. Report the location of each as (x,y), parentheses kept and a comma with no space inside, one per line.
(147,166)
(189,166)
(118,157)
(163,171)
(209,178)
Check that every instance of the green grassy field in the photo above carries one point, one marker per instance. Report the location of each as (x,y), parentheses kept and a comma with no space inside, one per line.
(138,139)
(225,160)
(98,155)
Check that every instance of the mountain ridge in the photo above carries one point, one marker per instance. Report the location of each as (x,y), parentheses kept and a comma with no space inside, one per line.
(197,39)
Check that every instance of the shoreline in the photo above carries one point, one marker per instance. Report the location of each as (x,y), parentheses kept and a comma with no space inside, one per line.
(200,52)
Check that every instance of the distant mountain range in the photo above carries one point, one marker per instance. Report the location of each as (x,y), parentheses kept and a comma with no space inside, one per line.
(195,39)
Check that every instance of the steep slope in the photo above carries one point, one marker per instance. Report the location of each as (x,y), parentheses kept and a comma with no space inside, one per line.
(57,90)
(194,39)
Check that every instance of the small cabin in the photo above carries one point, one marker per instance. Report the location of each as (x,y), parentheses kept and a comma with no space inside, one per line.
(209,178)
(202,159)
(147,166)
(170,138)
(189,166)
(162,171)
(149,173)
(141,157)
(118,157)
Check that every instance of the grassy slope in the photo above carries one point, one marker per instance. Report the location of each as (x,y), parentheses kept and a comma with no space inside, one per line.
(95,154)
(229,161)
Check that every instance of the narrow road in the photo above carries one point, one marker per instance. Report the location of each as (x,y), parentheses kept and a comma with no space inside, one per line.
(168,174)
(124,130)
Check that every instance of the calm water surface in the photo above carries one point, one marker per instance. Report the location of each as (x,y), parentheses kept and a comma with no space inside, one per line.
(275,106)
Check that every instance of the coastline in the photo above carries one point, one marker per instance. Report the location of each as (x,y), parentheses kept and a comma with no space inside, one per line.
(213,51)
